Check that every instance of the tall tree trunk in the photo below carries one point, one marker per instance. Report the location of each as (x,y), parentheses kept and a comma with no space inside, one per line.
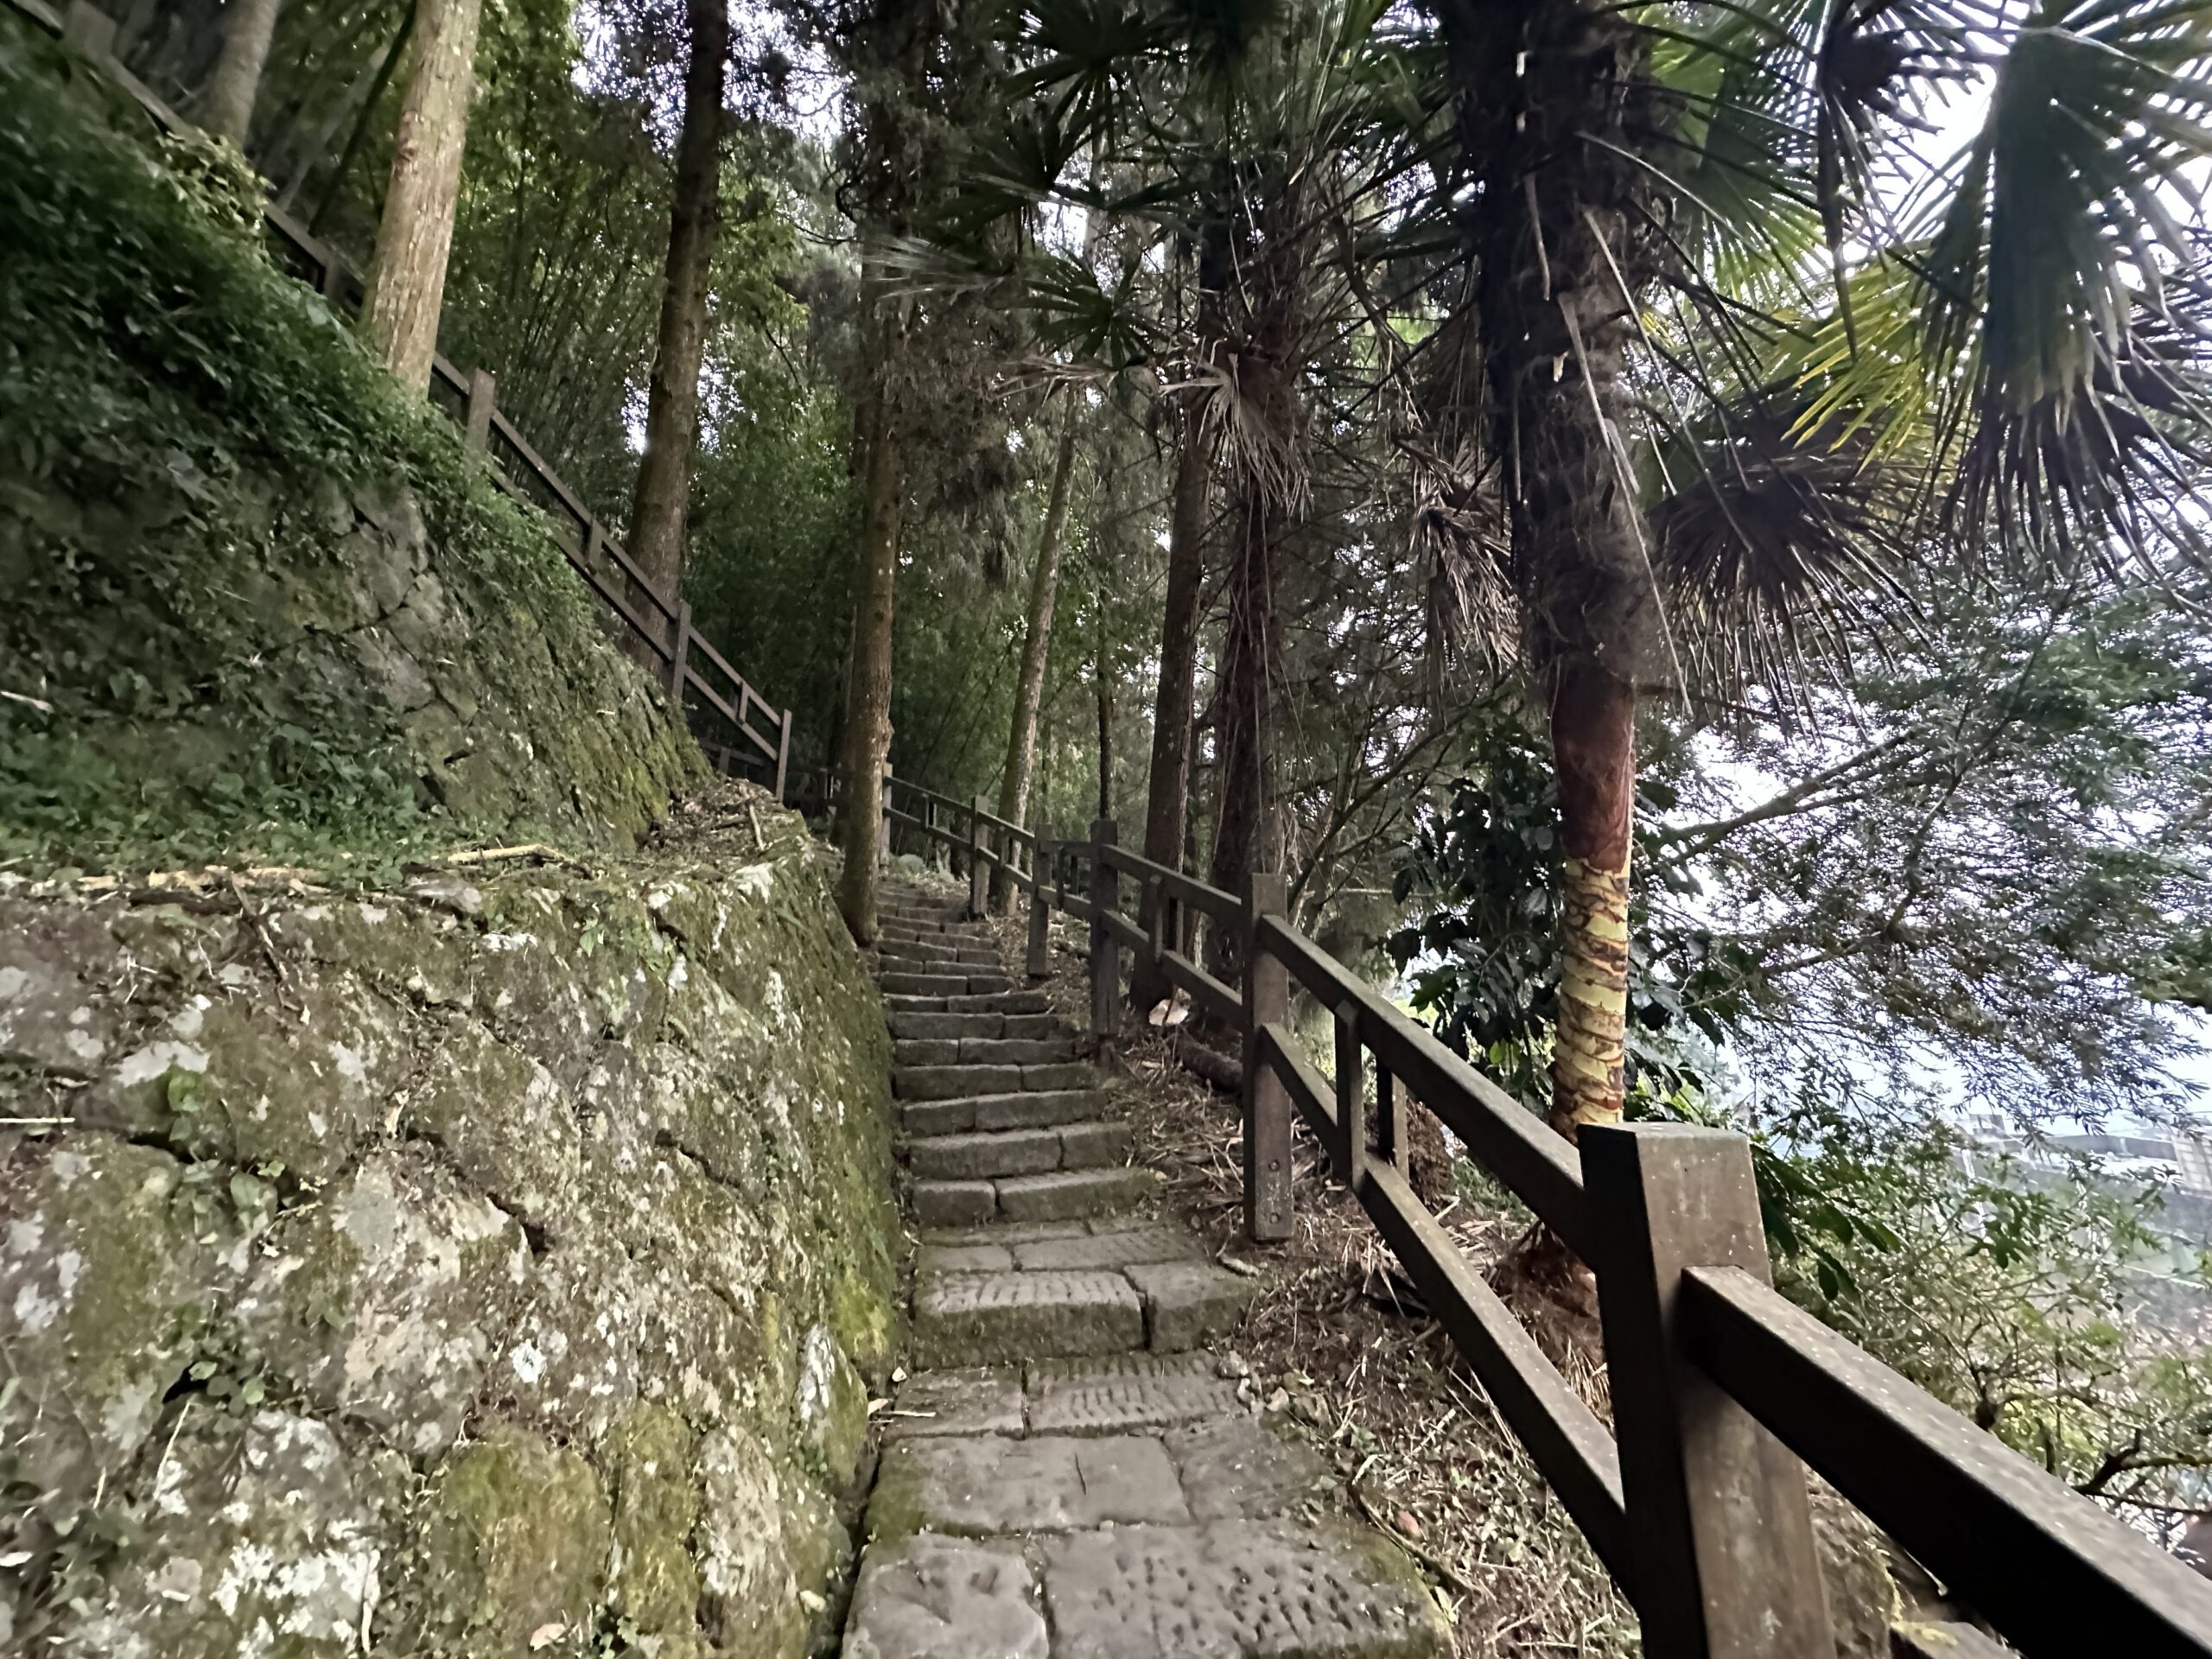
(1168,796)
(656,509)
(1029,691)
(868,687)
(407,275)
(1168,793)
(1102,676)
(1244,701)
(226,106)
(1550,101)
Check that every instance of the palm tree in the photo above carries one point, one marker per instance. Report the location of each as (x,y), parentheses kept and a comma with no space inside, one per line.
(1738,349)
(1238,139)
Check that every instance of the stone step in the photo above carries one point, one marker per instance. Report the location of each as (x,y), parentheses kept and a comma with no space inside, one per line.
(964,1079)
(925,957)
(1125,1392)
(977,1318)
(977,1155)
(1040,1108)
(1059,1195)
(947,985)
(1322,1589)
(934,933)
(925,916)
(986,1003)
(921,1028)
(1106,1394)
(1043,1246)
(982,1050)
(988,1316)
(1071,1194)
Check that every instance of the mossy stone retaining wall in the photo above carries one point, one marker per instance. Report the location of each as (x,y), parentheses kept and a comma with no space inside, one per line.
(490,1267)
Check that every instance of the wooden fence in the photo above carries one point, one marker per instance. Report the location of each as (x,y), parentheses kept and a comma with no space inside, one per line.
(1723,1391)
(740,727)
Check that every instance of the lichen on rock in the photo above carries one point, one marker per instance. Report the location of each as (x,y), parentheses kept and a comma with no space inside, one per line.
(535,1230)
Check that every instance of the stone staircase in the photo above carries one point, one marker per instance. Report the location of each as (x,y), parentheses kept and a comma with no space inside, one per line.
(1002,1122)
(1071,1472)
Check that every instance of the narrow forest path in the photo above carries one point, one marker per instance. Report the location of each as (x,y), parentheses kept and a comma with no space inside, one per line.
(1072,1471)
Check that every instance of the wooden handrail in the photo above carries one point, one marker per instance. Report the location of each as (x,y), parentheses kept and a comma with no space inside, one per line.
(2052,1572)
(1702,1516)
(89,30)
(1212,902)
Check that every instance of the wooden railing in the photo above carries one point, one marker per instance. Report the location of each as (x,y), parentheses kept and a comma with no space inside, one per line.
(1723,1392)
(749,729)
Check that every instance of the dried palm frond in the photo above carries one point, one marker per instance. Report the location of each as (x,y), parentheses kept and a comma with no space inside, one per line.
(1783,545)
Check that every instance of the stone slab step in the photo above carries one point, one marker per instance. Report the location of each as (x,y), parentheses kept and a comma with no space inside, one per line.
(945,985)
(1033,1109)
(1188,1304)
(897,1001)
(962,938)
(978,1027)
(967,1078)
(1018,1151)
(1074,1192)
(1226,1469)
(1321,1590)
(1059,1195)
(1122,1392)
(1324,1591)
(926,957)
(979,1318)
(906,916)
(1056,1246)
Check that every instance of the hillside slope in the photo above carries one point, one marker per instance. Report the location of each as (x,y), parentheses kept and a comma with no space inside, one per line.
(263,603)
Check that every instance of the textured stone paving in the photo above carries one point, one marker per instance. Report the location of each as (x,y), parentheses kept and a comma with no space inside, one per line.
(1072,1471)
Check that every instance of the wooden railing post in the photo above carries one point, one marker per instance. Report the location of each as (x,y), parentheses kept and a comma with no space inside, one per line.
(679,653)
(783,755)
(1040,910)
(979,873)
(1351,1149)
(1720,1530)
(1105,955)
(1389,1118)
(483,392)
(1266,1103)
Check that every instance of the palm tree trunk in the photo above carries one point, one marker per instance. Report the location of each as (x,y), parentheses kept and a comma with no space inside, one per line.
(227,107)
(1167,793)
(867,687)
(1029,691)
(1593,750)
(695,219)
(1547,96)
(407,275)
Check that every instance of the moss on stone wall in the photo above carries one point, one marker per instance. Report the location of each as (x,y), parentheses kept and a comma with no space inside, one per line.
(491,1262)
(261,602)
